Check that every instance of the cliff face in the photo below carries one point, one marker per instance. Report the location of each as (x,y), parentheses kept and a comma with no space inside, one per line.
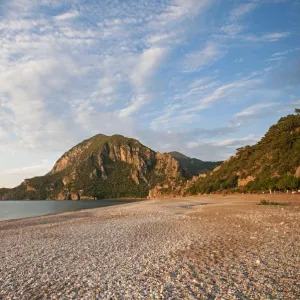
(69,158)
(141,159)
(166,164)
(102,167)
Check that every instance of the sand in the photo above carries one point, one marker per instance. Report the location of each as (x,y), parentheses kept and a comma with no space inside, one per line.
(208,247)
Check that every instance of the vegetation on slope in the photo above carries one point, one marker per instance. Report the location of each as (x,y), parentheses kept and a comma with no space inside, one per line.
(101,167)
(270,164)
(36,188)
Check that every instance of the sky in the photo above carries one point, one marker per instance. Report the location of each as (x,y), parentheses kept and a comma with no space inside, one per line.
(203,77)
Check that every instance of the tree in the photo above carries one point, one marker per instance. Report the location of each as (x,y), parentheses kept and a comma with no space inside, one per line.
(288,182)
(297,111)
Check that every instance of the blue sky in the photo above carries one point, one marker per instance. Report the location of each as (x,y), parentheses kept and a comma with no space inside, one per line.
(202,77)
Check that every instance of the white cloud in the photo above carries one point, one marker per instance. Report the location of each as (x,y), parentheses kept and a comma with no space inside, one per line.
(275,58)
(254,109)
(232,30)
(67,15)
(171,120)
(42,83)
(284,53)
(171,26)
(3,134)
(296,102)
(196,60)
(27,89)
(195,91)
(137,102)
(193,144)
(268,37)
(250,139)
(225,91)
(239,60)
(20,25)
(158,38)
(242,10)
(44,165)
(162,40)
(147,63)
(259,111)
(180,10)
(273,37)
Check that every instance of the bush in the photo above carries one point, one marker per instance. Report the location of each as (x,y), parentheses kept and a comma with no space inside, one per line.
(266,202)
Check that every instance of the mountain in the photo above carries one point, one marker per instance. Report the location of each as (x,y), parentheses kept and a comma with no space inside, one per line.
(177,155)
(194,166)
(105,167)
(116,166)
(271,164)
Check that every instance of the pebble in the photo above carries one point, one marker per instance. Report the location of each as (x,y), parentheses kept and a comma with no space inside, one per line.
(143,249)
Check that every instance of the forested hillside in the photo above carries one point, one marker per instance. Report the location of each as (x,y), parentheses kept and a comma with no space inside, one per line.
(194,166)
(272,164)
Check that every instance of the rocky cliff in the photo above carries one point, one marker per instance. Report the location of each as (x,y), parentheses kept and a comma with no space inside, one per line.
(102,167)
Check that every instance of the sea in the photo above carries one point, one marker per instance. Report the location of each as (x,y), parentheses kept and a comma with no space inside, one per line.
(11,209)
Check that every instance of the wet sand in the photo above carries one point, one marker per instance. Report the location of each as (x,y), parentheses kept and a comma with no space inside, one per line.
(208,247)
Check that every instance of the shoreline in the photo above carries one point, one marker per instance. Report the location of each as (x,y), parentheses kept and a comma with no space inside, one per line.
(281,198)
(107,199)
(58,210)
(296,194)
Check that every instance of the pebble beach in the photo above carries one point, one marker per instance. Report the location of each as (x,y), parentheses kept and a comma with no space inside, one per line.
(208,247)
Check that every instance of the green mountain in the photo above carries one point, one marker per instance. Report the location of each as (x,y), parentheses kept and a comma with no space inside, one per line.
(105,167)
(116,166)
(273,163)
(194,166)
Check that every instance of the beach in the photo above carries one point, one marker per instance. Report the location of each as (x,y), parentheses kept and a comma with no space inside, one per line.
(206,247)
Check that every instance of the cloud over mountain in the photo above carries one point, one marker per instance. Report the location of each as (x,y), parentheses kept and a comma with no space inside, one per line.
(159,71)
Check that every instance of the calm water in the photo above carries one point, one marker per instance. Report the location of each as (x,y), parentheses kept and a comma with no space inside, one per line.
(23,209)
